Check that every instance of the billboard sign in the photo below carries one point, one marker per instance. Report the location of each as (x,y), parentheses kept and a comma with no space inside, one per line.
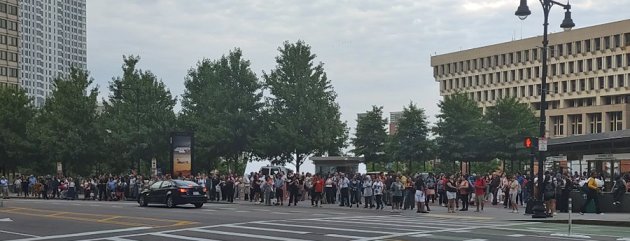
(181,154)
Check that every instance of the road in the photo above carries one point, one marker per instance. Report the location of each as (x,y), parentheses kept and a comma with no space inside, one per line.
(123,221)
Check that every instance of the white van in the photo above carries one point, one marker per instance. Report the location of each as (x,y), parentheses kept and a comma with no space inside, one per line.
(273,170)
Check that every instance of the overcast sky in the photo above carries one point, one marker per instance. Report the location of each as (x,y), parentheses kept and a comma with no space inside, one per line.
(376,52)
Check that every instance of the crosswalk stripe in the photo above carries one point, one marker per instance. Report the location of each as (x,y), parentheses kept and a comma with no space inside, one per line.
(343,236)
(381,224)
(178,237)
(267,229)
(256,236)
(323,228)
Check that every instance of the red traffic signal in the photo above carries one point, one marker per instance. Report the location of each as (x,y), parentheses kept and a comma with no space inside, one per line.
(530,142)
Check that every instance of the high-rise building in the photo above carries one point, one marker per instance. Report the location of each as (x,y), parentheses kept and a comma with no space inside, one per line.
(588,85)
(52,39)
(9,43)
(394,118)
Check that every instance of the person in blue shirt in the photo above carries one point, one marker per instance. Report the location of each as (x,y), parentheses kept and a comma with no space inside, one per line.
(521,181)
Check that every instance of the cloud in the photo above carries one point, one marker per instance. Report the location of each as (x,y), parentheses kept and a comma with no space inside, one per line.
(376,52)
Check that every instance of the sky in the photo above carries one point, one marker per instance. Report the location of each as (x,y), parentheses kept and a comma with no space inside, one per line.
(375,52)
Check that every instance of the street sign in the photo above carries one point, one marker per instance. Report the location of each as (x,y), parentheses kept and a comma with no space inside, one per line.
(153,163)
(542,144)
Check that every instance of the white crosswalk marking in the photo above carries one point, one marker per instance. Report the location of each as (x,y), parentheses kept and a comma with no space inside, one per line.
(339,227)
(246,235)
(179,237)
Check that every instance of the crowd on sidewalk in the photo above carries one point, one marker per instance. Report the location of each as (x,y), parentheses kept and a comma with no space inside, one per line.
(373,191)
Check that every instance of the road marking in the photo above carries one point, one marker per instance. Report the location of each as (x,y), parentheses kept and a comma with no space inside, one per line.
(570,236)
(422,235)
(267,229)
(83,234)
(119,239)
(281,213)
(21,234)
(435,231)
(324,228)
(242,211)
(262,210)
(210,210)
(256,236)
(461,231)
(177,237)
(517,235)
(477,239)
(457,217)
(6,220)
(343,236)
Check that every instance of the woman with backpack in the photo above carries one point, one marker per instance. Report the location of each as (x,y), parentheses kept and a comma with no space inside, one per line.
(549,194)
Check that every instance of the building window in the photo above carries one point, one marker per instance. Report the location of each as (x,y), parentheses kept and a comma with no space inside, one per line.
(569,48)
(526,55)
(576,124)
(562,68)
(617,39)
(591,83)
(589,64)
(626,38)
(607,42)
(602,83)
(558,125)
(600,63)
(573,86)
(554,69)
(616,120)
(587,45)
(535,53)
(619,60)
(537,69)
(564,87)
(578,47)
(608,62)
(598,44)
(611,81)
(582,84)
(555,87)
(560,50)
(552,52)
(620,81)
(595,122)
(571,67)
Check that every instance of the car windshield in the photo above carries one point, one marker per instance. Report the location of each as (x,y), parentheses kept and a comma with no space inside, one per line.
(181,183)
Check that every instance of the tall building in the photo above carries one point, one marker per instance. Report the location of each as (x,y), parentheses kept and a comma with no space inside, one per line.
(52,39)
(588,77)
(394,118)
(9,43)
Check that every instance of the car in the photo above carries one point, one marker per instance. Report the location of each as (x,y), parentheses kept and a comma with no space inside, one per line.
(173,193)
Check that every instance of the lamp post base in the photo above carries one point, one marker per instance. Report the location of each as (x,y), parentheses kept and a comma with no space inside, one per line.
(538,209)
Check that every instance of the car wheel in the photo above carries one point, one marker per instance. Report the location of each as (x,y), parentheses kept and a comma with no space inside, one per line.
(198,205)
(169,202)
(142,201)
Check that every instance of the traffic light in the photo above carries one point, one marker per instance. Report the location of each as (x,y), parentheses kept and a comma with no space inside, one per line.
(530,142)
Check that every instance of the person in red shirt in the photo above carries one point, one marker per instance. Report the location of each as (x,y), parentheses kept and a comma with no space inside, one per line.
(480,192)
(318,188)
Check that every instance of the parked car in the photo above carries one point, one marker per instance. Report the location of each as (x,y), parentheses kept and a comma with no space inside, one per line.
(173,193)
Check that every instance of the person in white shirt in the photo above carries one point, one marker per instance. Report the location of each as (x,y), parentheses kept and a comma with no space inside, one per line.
(343,189)
(377,188)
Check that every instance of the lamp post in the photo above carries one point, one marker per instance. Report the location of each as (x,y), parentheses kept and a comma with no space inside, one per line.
(522,12)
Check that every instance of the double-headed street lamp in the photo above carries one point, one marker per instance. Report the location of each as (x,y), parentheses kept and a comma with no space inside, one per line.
(522,12)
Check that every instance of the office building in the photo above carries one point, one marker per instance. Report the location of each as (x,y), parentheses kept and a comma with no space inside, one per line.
(394,118)
(588,77)
(52,39)
(9,39)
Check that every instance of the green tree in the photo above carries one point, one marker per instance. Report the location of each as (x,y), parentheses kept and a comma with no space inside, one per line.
(370,138)
(509,123)
(302,106)
(138,119)
(222,104)
(16,112)
(411,139)
(460,129)
(65,129)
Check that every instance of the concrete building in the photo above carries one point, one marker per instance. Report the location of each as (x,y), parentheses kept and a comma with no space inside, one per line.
(52,39)
(394,118)
(588,79)
(9,41)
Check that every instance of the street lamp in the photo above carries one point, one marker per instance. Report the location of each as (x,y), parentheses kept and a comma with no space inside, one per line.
(522,12)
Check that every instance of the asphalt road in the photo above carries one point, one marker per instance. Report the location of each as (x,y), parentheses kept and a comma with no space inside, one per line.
(122,221)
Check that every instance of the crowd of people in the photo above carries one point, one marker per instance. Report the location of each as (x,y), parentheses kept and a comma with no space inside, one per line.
(373,190)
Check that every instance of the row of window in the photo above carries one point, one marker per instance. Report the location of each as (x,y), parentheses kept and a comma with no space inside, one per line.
(8,24)
(10,9)
(11,72)
(570,67)
(564,49)
(567,86)
(8,56)
(576,123)
(9,40)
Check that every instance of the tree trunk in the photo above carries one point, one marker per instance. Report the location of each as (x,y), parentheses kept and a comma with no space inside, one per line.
(297,163)
(410,168)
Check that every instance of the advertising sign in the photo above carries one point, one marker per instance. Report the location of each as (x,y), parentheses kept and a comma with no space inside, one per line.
(59,168)
(181,154)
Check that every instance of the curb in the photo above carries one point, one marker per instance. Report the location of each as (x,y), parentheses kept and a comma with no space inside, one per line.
(583,222)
